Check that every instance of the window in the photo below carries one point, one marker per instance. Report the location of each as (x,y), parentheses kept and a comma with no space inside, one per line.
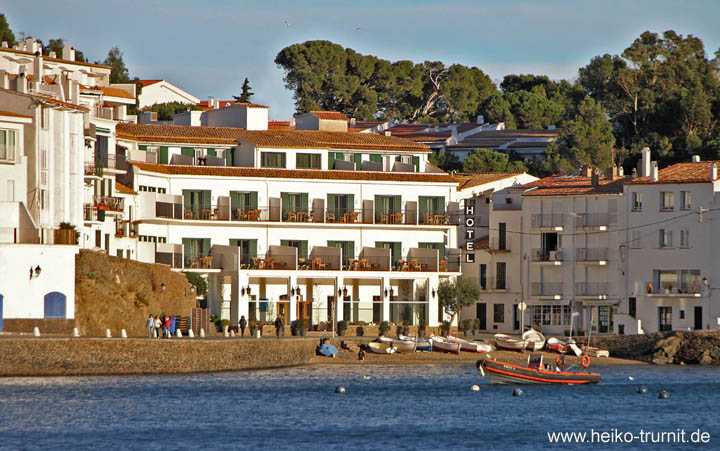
(7,145)
(665,238)
(348,250)
(682,314)
(43,167)
(502,236)
(307,161)
(44,204)
(432,209)
(161,190)
(272,159)
(635,239)
(499,313)
(44,117)
(667,201)
(407,159)
(550,315)
(632,306)
(300,245)
(508,200)
(500,282)
(685,200)
(684,238)
(664,319)
(637,201)
(483,276)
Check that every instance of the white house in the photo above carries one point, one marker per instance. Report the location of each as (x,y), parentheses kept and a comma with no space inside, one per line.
(162,91)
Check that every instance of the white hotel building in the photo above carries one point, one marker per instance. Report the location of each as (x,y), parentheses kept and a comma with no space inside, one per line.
(286,222)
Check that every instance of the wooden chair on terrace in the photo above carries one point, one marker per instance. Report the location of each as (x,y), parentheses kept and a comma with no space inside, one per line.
(353,217)
(428,219)
(443,265)
(292,216)
(258,263)
(188,214)
(330,216)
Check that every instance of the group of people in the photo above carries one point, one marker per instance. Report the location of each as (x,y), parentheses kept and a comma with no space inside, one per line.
(279,326)
(159,325)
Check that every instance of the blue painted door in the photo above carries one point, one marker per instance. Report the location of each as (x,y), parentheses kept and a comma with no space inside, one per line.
(2,323)
(54,305)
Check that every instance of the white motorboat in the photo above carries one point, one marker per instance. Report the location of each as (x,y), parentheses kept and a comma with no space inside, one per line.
(381,348)
(441,345)
(509,343)
(534,340)
(470,346)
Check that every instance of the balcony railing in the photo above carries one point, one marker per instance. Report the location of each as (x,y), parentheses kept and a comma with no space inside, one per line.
(109,203)
(111,161)
(594,220)
(543,255)
(496,244)
(547,220)
(692,288)
(591,254)
(203,261)
(591,288)
(546,288)
(435,218)
(495,283)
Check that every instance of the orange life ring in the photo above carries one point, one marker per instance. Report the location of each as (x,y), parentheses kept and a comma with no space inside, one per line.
(560,361)
(585,361)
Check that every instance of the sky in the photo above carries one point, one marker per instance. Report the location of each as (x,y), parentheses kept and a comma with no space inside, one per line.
(208,47)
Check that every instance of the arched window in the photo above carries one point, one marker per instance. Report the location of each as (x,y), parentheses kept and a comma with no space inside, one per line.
(55,305)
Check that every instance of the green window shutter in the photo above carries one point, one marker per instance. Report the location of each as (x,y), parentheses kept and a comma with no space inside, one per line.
(252,251)
(212,152)
(303,251)
(396,251)
(416,162)
(349,250)
(142,147)
(331,160)
(234,200)
(229,157)
(441,205)
(351,202)
(376,158)
(441,249)
(163,155)
(234,242)
(283,160)
(333,244)
(189,247)
(397,204)
(285,202)
(205,245)
(253,200)
(358,160)
(284,242)
(187,151)
(331,205)
(423,207)
(304,202)
(186,198)
(206,200)
(423,245)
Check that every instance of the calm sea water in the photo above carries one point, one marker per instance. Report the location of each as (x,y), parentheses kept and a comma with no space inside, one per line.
(412,407)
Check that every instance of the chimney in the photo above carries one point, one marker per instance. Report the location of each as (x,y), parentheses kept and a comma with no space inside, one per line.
(611,173)
(713,172)
(387,133)
(646,162)
(38,70)
(621,172)
(52,54)
(586,171)
(453,131)
(596,177)
(696,158)
(30,45)
(352,121)
(68,53)
(5,44)
(480,119)
(654,172)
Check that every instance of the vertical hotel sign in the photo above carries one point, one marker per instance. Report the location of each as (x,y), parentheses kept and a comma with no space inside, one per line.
(469,214)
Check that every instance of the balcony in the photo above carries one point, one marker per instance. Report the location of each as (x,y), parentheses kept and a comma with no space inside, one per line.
(598,221)
(546,289)
(592,289)
(109,203)
(692,288)
(435,218)
(113,164)
(555,221)
(496,244)
(592,255)
(495,283)
(554,257)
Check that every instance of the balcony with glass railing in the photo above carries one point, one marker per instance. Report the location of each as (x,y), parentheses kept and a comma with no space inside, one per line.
(600,221)
(554,221)
(595,289)
(591,255)
(555,257)
(546,289)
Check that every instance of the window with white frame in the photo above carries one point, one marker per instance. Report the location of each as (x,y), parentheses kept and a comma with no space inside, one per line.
(44,201)
(684,238)
(665,238)
(637,201)
(8,140)
(667,201)
(635,240)
(44,117)
(685,200)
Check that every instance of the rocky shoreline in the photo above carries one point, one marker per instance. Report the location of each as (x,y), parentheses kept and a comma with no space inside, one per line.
(692,348)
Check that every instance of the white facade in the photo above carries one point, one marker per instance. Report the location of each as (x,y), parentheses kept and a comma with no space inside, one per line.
(161,91)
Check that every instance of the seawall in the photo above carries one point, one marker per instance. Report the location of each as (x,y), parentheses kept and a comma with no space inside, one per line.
(113,356)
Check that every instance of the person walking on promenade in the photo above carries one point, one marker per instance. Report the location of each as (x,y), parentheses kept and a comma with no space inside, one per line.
(150,323)
(168,322)
(243,324)
(158,326)
(279,326)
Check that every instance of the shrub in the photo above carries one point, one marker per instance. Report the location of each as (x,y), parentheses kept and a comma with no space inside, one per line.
(467,324)
(225,323)
(384,327)
(342,326)
(476,324)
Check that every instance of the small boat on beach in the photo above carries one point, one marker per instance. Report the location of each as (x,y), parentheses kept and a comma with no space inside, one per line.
(535,373)
(421,344)
(595,352)
(381,347)
(509,343)
(470,346)
(534,340)
(557,345)
(441,345)
(401,343)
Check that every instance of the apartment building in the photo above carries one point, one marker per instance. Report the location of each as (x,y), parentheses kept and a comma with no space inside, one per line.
(671,245)
(296,223)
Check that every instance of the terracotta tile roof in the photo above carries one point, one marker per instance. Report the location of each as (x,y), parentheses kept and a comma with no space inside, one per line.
(302,139)
(471,180)
(116,92)
(330,115)
(123,189)
(47,99)
(232,171)
(11,114)
(57,60)
(149,82)
(680,173)
(280,125)
(572,186)
(523,133)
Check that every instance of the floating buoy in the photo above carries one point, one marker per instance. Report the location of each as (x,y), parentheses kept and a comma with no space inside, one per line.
(518,392)
(631,378)
(641,389)
(663,394)
(107,333)
(202,333)
(475,387)
(178,333)
(585,361)
(339,389)
(36,331)
(367,378)
(123,333)
(191,334)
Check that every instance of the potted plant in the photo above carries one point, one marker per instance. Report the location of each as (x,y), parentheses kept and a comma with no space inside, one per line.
(302,326)
(567,332)
(445,328)
(467,326)
(421,328)
(360,331)
(476,325)
(294,328)
(580,332)
(225,325)
(384,328)
(342,327)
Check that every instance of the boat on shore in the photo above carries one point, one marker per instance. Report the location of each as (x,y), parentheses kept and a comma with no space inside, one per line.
(381,347)
(402,343)
(535,373)
(557,345)
(534,340)
(509,343)
(440,345)
(421,344)
(470,346)
(595,352)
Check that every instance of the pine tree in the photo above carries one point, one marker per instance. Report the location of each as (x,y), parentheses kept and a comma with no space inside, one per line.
(6,33)
(246,93)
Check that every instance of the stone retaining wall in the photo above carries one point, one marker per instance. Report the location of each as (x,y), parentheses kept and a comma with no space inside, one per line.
(98,356)
(55,326)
